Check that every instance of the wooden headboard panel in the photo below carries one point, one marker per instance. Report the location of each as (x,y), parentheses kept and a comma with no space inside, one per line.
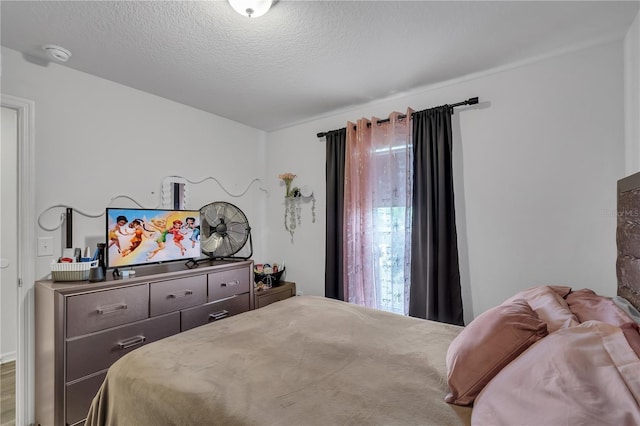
(628,239)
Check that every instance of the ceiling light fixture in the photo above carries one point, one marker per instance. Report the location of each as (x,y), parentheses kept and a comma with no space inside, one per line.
(57,53)
(251,8)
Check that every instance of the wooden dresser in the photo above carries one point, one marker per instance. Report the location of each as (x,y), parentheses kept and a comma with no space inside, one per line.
(82,328)
(274,294)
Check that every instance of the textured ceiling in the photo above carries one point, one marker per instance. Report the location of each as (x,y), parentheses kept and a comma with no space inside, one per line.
(303,59)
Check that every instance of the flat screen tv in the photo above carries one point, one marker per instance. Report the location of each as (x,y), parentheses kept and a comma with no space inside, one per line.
(144,236)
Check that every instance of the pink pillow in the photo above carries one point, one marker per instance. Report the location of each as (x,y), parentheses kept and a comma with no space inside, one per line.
(632,334)
(587,306)
(486,345)
(583,375)
(561,290)
(550,307)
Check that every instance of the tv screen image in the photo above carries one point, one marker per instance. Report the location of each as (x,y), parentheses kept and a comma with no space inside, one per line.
(144,236)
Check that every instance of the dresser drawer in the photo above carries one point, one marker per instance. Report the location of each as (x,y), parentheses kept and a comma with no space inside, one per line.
(275,294)
(228,283)
(90,354)
(79,396)
(173,295)
(96,311)
(214,311)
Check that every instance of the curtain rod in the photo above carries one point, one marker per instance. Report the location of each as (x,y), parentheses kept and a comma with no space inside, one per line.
(470,101)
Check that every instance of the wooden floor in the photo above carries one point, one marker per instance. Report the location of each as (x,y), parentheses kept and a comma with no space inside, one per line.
(8,394)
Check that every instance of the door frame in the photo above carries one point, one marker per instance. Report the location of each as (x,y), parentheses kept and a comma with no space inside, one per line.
(25,406)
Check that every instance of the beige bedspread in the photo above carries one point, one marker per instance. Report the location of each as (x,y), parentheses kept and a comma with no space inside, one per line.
(302,361)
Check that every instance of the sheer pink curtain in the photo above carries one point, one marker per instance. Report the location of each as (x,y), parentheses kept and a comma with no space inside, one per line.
(377,213)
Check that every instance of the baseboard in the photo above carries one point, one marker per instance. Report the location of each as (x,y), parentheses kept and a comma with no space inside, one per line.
(8,357)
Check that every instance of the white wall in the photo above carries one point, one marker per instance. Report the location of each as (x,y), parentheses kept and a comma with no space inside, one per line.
(632,97)
(96,139)
(536,164)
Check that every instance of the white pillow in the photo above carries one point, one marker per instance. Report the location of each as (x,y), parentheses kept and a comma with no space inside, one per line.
(627,307)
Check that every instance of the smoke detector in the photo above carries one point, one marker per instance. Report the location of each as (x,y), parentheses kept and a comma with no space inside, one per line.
(57,53)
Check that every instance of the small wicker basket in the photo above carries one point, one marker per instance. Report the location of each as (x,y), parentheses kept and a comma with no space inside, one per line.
(270,280)
(77,271)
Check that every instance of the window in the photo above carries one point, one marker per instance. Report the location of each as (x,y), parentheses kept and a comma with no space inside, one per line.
(390,264)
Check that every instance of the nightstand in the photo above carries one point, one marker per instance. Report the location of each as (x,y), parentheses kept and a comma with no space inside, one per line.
(265,297)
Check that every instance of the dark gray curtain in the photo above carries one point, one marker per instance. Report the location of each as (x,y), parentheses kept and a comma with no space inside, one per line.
(435,274)
(334,278)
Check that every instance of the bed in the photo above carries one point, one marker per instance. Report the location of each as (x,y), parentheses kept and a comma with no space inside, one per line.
(551,354)
(298,361)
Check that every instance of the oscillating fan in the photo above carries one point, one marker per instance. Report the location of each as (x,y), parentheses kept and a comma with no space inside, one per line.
(224,231)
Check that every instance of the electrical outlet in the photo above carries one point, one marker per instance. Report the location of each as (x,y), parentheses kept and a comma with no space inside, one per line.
(45,246)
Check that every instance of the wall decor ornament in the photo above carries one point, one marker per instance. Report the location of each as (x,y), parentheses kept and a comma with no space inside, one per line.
(293,199)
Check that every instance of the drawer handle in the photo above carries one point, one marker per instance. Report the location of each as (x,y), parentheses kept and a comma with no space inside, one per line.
(105,310)
(230,283)
(131,342)
(218,315)
(179,295)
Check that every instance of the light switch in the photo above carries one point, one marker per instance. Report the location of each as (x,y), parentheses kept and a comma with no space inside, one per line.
(45,246)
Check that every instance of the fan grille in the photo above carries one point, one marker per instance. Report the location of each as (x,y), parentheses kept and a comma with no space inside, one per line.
(225,229)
